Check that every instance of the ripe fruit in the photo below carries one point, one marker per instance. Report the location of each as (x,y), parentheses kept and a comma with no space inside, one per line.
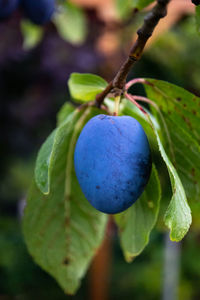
(7,7)
(112,162)
(39,11)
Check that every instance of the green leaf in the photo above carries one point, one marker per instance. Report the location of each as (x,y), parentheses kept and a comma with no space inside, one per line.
(85,87)
(71,24)
(63,113)
(197,17)
(125,7)
(140,4)
(44,158)
(32,34)
(178,216)
(179,120)
(136,223)
(49,150)
(62,230)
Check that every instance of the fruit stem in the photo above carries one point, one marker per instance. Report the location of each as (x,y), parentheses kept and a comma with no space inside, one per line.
(144,33)
(117,102)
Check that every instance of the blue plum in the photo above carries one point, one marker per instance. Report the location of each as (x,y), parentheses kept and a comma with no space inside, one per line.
(39,11)
(112,162)
(7,7)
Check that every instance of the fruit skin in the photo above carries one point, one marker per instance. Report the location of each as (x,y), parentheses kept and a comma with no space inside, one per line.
(112,162)
(39,11)
(7,7)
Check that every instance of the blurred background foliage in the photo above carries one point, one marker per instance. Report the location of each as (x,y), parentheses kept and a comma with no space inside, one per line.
(35,64)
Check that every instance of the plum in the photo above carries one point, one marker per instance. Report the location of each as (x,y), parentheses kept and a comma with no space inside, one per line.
(7,7)
(112,162)
(39,11)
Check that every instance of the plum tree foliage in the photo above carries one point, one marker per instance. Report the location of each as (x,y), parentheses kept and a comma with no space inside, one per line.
(106,136)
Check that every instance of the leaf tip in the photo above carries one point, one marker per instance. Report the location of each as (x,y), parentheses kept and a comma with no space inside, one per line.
(129,257)
(44,189)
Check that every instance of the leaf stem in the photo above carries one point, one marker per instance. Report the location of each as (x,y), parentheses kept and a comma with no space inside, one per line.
(132,99)
(147,100)
(144,33)
(134,81)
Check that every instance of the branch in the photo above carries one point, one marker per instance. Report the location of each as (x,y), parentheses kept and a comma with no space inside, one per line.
(144,33)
